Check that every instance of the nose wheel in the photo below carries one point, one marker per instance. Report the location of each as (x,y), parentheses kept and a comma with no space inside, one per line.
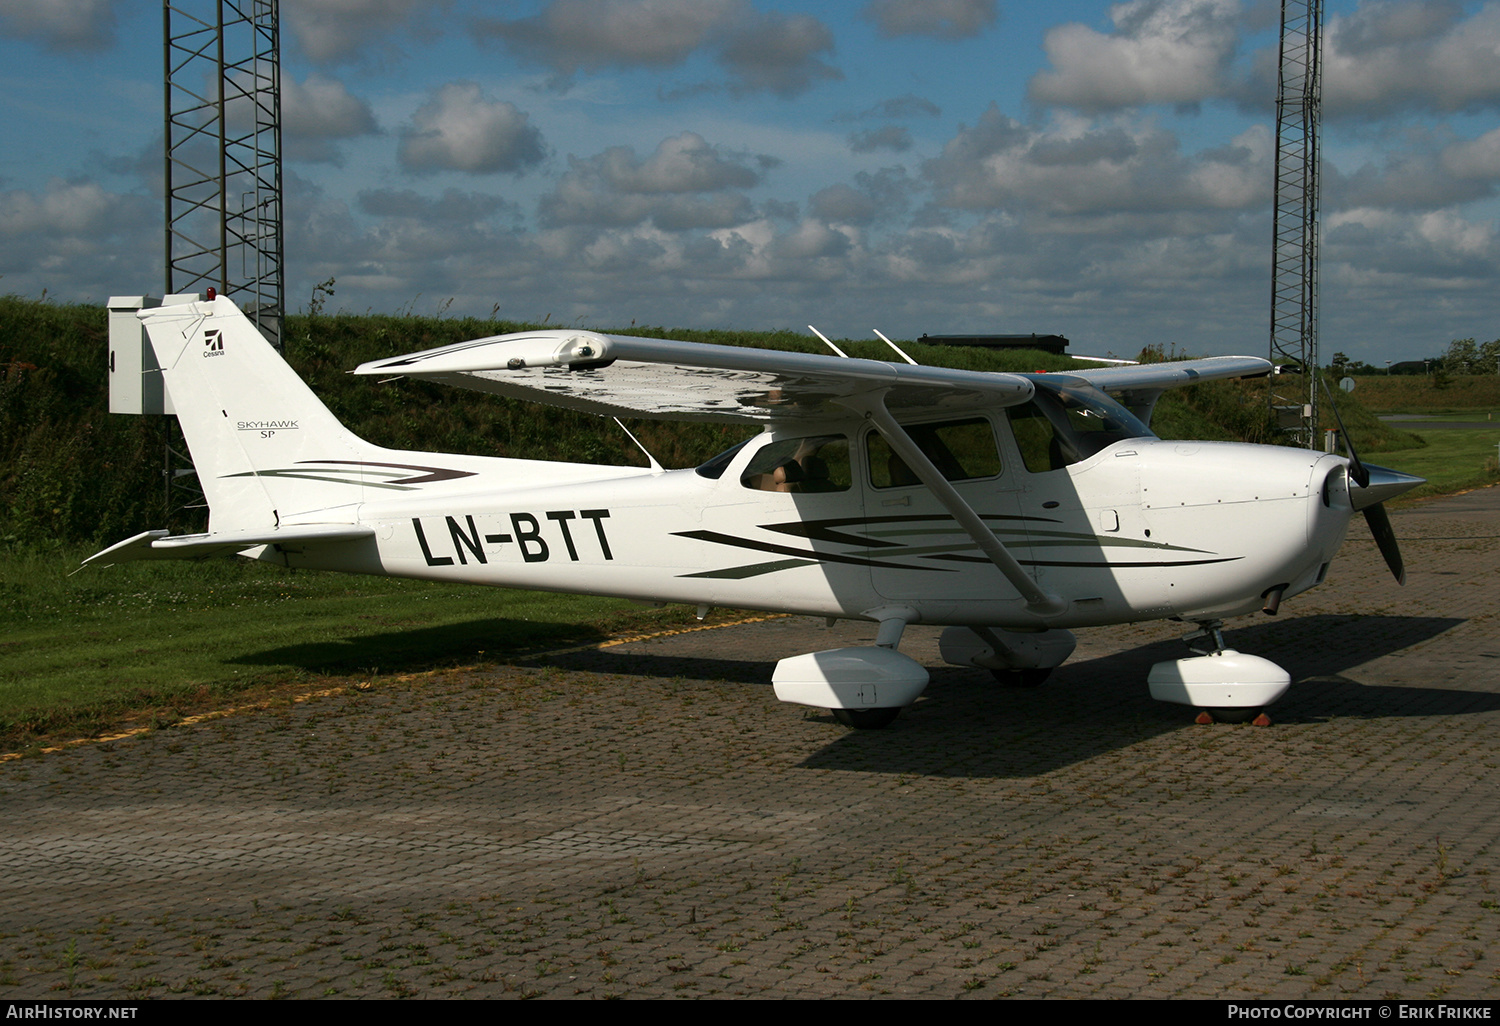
(1227,686)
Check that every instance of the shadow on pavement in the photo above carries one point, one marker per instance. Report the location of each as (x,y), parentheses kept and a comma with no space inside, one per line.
(425,648)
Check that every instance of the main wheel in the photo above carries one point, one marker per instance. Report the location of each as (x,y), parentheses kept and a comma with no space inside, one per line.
(866,719)
(1022,678)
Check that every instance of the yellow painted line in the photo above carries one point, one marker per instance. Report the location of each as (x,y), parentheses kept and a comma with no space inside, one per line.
(689,630)
(214,714)
(186,721)
(631,639)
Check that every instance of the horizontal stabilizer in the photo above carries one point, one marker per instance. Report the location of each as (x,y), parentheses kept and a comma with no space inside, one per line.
(160,545)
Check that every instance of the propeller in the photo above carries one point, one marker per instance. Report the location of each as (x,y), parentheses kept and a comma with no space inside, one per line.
(1385,538)
(1376,484)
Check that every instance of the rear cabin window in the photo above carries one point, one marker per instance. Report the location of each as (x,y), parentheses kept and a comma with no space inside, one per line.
(962,450)
(817,463)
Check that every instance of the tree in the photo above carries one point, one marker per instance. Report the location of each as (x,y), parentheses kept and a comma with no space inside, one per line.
(1461,357)
(1488,361)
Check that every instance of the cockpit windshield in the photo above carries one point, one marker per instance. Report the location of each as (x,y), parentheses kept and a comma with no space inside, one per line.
(714,468)
(1064,424)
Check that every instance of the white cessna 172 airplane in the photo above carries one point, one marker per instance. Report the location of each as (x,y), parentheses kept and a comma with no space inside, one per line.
(1010,508)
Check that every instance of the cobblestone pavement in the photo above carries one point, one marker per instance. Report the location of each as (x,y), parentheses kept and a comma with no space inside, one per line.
(646,820)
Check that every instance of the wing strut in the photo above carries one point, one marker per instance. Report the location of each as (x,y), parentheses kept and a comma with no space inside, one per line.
(1038,601)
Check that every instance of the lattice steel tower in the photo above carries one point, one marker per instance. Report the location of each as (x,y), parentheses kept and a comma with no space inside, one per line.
(1294,246)
(223,154)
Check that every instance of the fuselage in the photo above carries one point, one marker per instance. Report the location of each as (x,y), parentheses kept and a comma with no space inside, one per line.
(1139,529)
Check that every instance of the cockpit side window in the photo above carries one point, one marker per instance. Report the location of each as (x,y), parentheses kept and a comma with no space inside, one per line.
(962,450)
(818,463)
(1065,424)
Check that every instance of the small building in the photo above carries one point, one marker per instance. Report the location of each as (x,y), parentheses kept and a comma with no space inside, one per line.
(1409,367)
(1056,344)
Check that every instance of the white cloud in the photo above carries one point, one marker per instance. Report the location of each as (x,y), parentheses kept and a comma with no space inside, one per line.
(60,24)
(67,208)
(945,19)
(335,30)
(685,184)
(462,129)
(79,241)
(1412,54)
(1162,51)
(318,111)
(763,52)
(684,163)
(1371,250)
(813,240)
(778,54)
(1077,168)
(1477,158)
(573,35)
(1412,181)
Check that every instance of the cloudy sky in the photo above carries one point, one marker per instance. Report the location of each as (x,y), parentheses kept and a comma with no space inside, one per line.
(1098,170)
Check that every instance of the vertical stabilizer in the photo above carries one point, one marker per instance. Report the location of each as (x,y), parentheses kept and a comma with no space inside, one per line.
(265,448)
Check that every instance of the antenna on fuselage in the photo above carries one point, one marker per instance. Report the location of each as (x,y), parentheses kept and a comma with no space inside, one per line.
(827,342)
(897,348)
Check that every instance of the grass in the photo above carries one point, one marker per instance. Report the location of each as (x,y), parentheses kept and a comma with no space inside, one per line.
(79,653)
(1453,460)
(1417,393)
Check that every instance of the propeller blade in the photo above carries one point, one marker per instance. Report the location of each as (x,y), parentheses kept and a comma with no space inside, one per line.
(1357,471)
(1385,539)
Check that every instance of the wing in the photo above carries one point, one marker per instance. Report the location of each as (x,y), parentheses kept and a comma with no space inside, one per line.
(624,376)
(1139,386)
(1158,377)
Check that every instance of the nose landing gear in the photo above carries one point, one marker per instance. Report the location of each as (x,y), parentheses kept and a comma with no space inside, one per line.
(1228,686)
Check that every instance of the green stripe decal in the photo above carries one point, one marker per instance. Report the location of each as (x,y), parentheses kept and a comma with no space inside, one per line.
(739,573)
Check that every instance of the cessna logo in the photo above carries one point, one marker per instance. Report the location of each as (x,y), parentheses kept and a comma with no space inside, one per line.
(213,343)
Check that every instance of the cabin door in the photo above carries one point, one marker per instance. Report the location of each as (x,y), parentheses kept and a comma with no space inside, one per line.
(917,550)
